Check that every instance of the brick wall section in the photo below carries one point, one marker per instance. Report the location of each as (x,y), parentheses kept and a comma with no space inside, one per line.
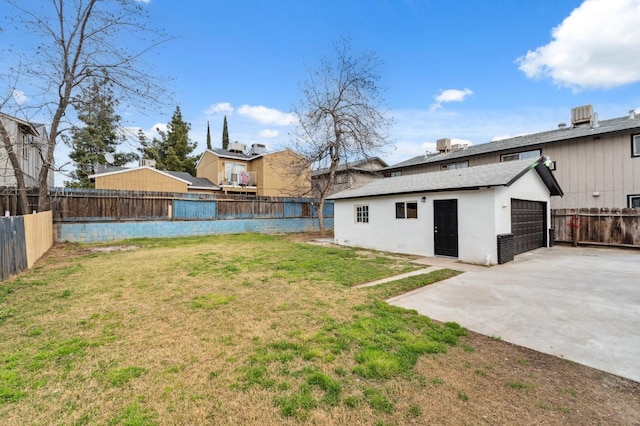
(506,248)
(95,232)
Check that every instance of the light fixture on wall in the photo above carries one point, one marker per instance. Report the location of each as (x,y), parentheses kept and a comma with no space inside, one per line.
(423,199)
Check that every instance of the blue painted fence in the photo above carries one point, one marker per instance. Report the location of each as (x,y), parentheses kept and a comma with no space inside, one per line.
(104,215)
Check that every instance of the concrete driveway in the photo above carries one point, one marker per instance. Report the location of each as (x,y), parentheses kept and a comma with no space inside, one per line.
(581,304)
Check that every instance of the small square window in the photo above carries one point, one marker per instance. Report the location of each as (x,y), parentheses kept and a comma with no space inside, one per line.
(412,210)
(634,201)
(635,146)
(362,214)
(400,211)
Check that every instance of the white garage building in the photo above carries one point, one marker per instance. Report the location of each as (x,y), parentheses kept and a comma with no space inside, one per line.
(483,214)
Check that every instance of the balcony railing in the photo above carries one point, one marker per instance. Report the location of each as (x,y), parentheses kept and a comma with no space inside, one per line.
(239,179)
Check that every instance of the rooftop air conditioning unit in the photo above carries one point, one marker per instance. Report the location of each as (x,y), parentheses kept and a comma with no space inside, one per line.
(443,145)
(581,114)
(147,162)
(237,147)
(258,148)
(459,146)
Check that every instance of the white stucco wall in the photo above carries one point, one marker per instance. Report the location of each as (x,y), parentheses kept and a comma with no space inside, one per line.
(482,215)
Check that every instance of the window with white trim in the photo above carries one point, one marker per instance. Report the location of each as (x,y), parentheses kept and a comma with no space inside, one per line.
(456,165)
(407,210)
(362,213)
(633,201)
(520,155)
(635,145)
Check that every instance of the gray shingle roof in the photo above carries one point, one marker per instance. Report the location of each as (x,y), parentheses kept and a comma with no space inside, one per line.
(605,126)
(238,155)
(497,174)
(354,165)
(195,181)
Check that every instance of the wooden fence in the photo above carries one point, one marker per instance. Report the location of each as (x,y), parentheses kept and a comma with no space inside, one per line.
(13,247)
(38,230)
(84,205)
(23,240)
(9,201)
(618,227)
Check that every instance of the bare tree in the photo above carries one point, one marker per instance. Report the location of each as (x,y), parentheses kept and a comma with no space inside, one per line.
(340,117)
(77,40)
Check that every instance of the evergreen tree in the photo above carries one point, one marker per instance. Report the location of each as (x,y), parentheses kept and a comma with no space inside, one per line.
(208,136)
(173,148)
(225,134)
(98,136)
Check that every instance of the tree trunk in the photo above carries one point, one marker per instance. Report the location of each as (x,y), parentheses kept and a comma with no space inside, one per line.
(17,170)
(320,210)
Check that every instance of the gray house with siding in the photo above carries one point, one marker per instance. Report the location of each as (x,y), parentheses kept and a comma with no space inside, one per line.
(596,162)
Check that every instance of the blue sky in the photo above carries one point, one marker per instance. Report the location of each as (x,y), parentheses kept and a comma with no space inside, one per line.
(472,71)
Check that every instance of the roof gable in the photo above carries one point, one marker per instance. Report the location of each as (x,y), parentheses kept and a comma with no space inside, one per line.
(497,174)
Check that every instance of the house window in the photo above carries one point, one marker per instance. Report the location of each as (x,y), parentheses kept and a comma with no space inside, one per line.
(362,214)
(396,174)
(342,178)
(25,145)
(407,210)
(634,201)
(456,165)
(520,155)
(635,146)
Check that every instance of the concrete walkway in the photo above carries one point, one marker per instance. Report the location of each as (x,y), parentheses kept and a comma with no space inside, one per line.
(582,304)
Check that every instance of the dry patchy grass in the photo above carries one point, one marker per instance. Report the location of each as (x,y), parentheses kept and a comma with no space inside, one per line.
(254,329)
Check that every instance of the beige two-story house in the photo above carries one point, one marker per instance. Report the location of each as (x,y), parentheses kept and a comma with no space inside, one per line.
(240,171)
(596,162)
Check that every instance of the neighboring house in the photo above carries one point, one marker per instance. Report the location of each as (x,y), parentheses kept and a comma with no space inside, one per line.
(28,139)
(257,172)
(597,163)
(350,175)
(484,214)
(148,178)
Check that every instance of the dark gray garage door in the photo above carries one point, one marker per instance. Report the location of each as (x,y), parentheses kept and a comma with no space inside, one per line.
(528,225)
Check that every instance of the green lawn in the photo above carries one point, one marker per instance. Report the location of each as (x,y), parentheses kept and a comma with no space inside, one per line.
(240,329)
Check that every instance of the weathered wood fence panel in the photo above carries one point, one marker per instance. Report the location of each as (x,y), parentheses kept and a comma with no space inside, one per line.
(598,225)
(90,205)
(103,205)
(13,252)
(9,201)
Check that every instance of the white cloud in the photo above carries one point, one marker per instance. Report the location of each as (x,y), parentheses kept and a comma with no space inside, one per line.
(154,129)
(596,46)
(450,95)
(19,97)
(266,115)
(224,107)
(268,133)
